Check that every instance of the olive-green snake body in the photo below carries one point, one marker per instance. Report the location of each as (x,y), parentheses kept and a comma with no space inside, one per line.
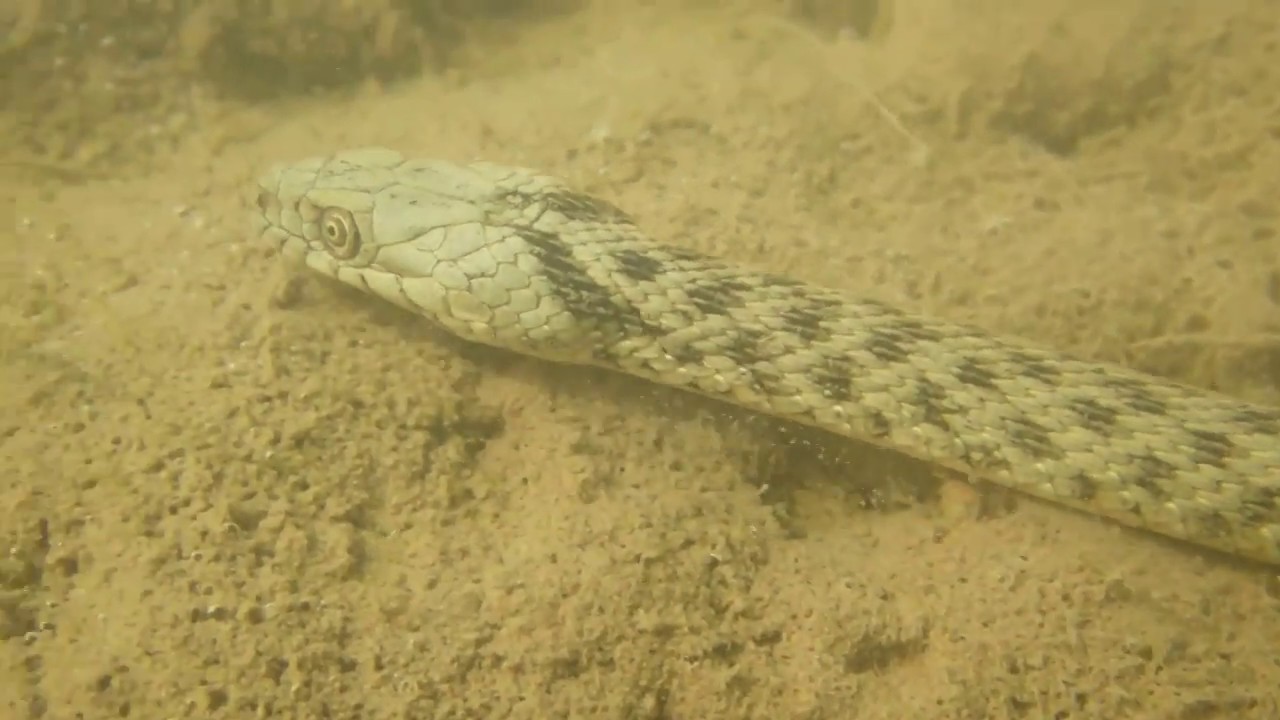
(517,260)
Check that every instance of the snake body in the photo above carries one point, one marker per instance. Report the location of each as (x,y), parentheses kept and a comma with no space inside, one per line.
(519,260)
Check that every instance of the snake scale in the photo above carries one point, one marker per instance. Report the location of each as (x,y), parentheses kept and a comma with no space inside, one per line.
(518,260)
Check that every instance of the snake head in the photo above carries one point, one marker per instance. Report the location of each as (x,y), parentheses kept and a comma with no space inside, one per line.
(445,241)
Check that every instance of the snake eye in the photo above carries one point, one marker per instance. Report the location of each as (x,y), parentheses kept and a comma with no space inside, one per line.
(340,234)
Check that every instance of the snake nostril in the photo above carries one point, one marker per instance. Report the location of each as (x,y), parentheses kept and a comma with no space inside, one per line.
(265,201)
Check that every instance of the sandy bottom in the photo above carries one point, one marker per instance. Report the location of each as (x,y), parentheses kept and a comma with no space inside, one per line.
(231,494)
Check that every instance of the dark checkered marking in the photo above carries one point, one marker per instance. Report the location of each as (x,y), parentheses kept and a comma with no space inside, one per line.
(970,373)
(1086,488)
(1136,395)
(931,398)
(587,208)
(898,342)
(1265,418)
(834,377)
(916,329)
(745,346)
(1211,525)
(887,346)
(1212,448)
(574,206)
(1095,416)
(717,296)
(1035,365)
(1211,438)
(1028,433)
(588,299)
(1152,473)
(1260,504)
(809,316)
(638,266)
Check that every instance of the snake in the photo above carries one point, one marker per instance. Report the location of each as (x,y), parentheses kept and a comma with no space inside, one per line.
(519,260)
